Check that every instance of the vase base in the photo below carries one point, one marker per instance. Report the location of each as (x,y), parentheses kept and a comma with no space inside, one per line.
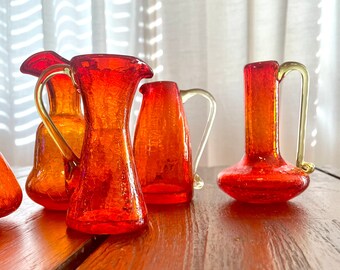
(93,226)
(264,186)
(166,194)
(49,202)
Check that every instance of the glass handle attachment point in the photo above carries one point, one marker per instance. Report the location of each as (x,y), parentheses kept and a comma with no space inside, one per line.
(284,69)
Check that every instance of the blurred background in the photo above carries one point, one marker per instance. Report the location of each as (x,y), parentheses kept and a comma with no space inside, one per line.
(196,43)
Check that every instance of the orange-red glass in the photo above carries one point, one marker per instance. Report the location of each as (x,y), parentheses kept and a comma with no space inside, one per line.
(262,176)
(46,182)
(10,191)
(108,199)
(162,147)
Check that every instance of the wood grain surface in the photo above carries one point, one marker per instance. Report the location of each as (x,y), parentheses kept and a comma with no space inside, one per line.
(215,232)
(34,238)
(332,171)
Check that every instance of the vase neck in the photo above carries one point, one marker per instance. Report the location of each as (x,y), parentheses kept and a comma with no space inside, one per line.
(107,105)
(64,99)
(107,84)
(62,95)
(261,110)
(162,93)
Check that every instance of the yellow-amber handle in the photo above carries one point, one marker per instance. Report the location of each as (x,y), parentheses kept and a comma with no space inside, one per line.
(284,69)
(186,95)
(50,126)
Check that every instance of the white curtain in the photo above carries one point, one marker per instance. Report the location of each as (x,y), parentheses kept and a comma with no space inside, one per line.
(197,43)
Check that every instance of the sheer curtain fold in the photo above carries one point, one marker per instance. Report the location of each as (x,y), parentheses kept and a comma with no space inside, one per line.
(202,44)
(227,53)
(327,138)
(5,108)
(98,26)
(266,30)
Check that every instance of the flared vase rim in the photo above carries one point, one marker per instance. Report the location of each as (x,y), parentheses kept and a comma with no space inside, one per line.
(145,86)
(37,57)
(260,64)
(131,60)
(105,55)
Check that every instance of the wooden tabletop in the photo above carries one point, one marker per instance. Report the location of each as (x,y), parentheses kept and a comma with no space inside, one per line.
(213,232)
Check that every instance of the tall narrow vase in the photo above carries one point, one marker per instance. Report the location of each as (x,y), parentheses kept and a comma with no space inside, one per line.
(263,176)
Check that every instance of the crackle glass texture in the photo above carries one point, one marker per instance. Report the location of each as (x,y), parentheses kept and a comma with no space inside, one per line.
(108,199)
(46,183)
(162,147)
(262,176)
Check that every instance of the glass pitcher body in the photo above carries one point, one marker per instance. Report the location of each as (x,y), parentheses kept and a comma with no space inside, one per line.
(46,184)
(108,199)
(162,148)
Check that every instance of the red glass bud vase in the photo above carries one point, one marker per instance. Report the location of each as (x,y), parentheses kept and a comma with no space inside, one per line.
(262,176)
(108,199)
(162,148)
(46,184)
(10,191)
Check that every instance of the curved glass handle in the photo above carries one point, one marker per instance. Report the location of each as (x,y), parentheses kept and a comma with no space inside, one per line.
(50,126)
(284,69)
(186,95)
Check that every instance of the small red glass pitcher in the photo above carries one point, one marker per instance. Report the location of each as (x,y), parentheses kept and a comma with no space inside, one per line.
(10,191)
(46,182)
(162,148)
(262,176)
(108,199)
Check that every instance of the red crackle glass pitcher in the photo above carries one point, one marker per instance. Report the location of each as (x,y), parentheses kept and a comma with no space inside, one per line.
(162,146)
(108,199)
(262,176)
(46,182)
(10,191)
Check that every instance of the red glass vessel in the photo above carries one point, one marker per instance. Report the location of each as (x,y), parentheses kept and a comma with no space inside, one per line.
(162,148)
(10,191)
(262,176)
(108,199)
(46,182)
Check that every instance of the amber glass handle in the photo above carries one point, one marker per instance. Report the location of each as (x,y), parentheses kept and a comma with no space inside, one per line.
(50,126)
(284,69)
(186,95)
